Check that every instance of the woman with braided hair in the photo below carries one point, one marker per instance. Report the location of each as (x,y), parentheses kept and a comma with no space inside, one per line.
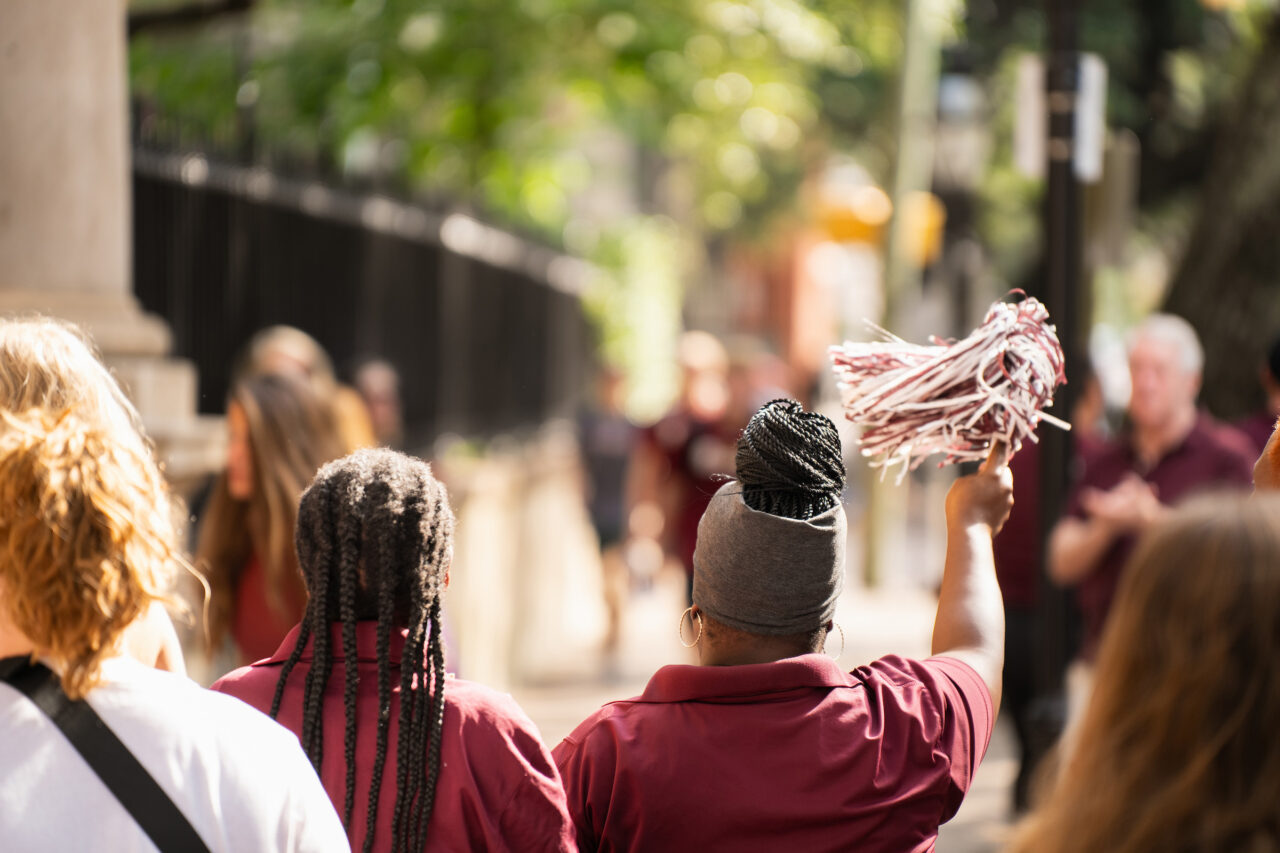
(409,755)
(767,744)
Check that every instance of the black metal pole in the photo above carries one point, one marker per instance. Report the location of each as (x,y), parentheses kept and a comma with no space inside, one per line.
(1063,250)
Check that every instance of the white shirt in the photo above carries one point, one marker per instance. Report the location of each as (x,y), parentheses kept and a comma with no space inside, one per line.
(241,780)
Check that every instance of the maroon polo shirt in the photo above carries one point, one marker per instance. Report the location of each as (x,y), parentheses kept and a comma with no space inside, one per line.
(1209,458)
(698,455)
(498,787)
(790,755)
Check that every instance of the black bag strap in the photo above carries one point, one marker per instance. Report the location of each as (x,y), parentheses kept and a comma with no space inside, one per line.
(103,751)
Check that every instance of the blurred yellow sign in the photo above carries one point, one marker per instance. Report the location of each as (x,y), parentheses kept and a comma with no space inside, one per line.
(860,217)
(925,220)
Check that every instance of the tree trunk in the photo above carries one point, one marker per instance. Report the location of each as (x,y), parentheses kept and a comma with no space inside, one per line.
(1228,282)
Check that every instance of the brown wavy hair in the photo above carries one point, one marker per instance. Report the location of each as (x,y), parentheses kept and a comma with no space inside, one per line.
(86,546)
(291,434)
(1177,749)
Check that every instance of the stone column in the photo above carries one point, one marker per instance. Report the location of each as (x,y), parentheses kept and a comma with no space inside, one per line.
(65,215)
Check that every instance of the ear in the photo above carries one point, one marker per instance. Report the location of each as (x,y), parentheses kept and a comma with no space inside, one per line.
(446,576)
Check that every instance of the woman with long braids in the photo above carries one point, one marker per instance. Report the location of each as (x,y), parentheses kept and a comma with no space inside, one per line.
(410,756)
(767,744)
(279,433)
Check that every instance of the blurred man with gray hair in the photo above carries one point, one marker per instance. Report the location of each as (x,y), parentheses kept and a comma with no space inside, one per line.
(1169,451)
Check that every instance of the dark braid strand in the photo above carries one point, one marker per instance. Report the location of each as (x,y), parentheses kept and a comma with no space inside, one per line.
(386,619)
(349,559)
(321,662)
(304,632)
(435,711)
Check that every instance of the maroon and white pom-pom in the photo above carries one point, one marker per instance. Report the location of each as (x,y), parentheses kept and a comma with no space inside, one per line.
(914,401)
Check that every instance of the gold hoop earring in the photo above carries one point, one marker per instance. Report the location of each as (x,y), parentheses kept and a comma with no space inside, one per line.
(839,654)
(688,611)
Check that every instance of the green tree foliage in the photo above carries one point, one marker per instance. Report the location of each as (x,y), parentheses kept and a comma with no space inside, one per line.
(497,102)
(1173,68)
(626,132)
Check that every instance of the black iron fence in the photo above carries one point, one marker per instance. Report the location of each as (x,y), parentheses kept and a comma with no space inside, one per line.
(485,328)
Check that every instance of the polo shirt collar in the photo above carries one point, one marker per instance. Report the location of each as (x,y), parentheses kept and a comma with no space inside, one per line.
(1196,438)
(685,683)
(366,644)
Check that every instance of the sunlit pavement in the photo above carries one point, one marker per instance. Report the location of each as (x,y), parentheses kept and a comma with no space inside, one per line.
(890,619)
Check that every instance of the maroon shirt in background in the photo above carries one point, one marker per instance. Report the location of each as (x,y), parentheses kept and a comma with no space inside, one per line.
(1209,458)
(1018,547)
(256,626)
(498,787)
(1258,429)
(791,755)
(699,457)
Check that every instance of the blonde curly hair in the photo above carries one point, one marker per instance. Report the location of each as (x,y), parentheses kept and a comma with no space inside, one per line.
(86,546)
(52,365)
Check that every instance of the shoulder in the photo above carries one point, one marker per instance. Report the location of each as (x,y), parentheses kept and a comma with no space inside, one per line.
(202,724)
(941,709)
(1231,447)
(227,715)
(253,684)
(474,703)
(492,724)
(596,739)
(932,691)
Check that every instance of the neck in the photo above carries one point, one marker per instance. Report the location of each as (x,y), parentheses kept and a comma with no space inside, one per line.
(1150,443)
(12,641)
(767,650)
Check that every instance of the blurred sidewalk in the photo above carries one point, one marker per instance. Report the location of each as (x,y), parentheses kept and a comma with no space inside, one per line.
(894,618)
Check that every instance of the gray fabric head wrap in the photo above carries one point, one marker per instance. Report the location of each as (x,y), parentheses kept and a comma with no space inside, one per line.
(765,574)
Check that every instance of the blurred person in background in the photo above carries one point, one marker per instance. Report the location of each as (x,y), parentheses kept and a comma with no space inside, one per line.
(99,751)
(1019,554)
(680,460)
(279,434)
(414,758)
(767,744)
(378,383)
(756,376)
(607,439)
(1259,425)
(1170,451)
(1177,749)
(287,350)
(51,366)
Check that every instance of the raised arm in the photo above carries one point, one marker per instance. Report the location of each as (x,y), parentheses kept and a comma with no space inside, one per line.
(970,620)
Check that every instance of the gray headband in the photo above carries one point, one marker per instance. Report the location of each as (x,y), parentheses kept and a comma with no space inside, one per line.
(765,574)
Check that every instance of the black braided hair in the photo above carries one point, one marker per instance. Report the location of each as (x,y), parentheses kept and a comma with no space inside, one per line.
(374,541)
(789,461)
